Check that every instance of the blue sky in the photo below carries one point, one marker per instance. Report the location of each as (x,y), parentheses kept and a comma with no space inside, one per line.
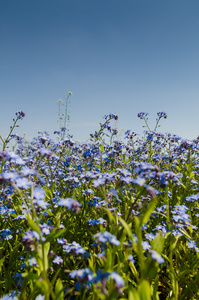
(120,56)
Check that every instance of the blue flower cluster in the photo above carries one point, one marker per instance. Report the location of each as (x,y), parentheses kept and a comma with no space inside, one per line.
(77,204)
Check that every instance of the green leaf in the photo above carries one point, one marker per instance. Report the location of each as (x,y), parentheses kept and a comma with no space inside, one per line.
(134,271)
(1,262)
(42,256)
(55,277)
(111,217)
(133,295)
(55,233)
(155,288)
(29,275)
(49,194)
(126,227)
(144,290)
(43,286)
(148,211)
(32,224)
(59,294)
(101,148)
(158,243)
(46,250)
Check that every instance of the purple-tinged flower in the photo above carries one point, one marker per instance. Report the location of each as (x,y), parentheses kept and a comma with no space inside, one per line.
(61,226)
(162,115)
(142,115)
(46,231)
(20,114)
(45,152)
(61,241)
(70,203)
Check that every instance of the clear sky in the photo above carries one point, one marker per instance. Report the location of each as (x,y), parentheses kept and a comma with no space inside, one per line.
(120,56)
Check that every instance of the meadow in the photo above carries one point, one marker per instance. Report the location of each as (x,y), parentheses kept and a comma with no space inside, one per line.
(105,219)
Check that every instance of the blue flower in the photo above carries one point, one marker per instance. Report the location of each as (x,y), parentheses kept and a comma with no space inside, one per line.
(42,204)
(104,237)
(145,245)
(32,261)
(58,260)
(8,237)
(45,152)
(74,248)
(39,193)
(81,273)
(12,155)
(46,230)
(61,241)
(98,182)
(9,176)
(40,297)
(25,171)
(19,279)
(23,183)
(130,257)
(157,256)
(11,296)
(118,279)
(193,245)
(70,204)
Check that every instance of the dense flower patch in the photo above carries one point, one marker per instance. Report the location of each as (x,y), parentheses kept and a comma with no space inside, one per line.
(99,220)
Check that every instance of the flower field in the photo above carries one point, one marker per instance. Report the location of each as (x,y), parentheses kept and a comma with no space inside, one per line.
(106,219)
